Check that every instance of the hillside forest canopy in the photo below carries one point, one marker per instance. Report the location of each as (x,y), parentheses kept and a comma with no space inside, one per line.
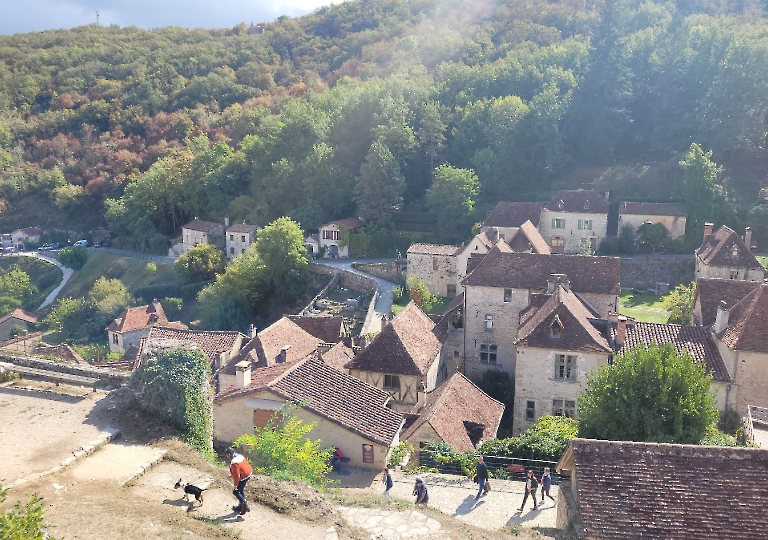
(352,109)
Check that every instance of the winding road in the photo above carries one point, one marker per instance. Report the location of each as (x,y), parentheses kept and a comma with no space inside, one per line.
(67,273)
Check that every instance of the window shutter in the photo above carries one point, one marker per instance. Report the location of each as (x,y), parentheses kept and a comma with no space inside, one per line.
(579,226)
(563,224)
(553,224)
(590,225)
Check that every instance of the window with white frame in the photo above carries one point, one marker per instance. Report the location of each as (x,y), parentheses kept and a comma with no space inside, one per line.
(488,323)
(565,367)
(530,411)
(564,407)
(488,353)
(331,235)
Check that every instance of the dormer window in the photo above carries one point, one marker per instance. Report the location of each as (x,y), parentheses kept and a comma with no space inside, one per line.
(560,203)
(556,328)
(587,205)
(735,251)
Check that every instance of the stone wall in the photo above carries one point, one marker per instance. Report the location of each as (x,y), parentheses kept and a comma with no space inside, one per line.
(393,272)
(437,271)
(347,279)
(105,375)
(647,271)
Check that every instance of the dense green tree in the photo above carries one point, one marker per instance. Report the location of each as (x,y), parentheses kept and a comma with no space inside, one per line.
(431,133)
(679,302)
(73,257)
(652,233)
(652,394)
(452,196)
(280,247)
(16,285)
(110,296)
(379,187)
(700,175)
(202,262)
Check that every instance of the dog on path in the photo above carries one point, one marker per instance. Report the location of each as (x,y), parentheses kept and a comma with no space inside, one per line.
(189,489)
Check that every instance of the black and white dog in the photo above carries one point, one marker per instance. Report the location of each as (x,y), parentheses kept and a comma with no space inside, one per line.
(189,489)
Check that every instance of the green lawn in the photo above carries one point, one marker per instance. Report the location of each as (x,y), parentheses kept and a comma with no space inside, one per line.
(645,307)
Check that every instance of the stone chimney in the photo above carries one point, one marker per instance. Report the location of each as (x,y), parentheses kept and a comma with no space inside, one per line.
(283,356)
(243,374)
(558,279)
(621,331)
(492,234)
(721,322)
(252,331)
(708,230)
(607,195)
(421,397)
(156,305)
(226,222)
(748,238)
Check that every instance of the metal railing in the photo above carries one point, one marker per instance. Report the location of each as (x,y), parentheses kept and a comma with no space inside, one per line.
(500,467)
(755,415)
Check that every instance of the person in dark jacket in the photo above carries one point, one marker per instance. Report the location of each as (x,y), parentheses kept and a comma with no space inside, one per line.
(531,484)
(387,481)
(482,476)
(546,483)
(422,495)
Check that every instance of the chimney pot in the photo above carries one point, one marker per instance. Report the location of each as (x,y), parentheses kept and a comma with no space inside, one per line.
(283,356)
(621,331)
(242,374)
(252,331)
(723,313)
(555,280)
(226,222)
(748,238)
(708,227)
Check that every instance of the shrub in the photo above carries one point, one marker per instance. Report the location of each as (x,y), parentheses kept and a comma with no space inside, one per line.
(73,257)
(23,522)
(151,268)
(18,330)
(402,449)
(445,458)
(172,306)
(397,294)
(546,440)
(729,421)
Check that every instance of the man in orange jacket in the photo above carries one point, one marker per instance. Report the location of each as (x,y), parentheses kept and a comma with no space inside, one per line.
(241,471)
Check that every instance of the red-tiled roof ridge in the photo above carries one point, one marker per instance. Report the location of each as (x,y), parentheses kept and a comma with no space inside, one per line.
(746,330)
(338,356)
(513,214)
(709,293)
(263,377)
(138,318)
(433,249)
(212,342)
(717,250)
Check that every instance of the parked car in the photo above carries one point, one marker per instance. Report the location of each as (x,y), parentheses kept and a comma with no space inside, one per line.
(98,244)
(83,243)
(45,247)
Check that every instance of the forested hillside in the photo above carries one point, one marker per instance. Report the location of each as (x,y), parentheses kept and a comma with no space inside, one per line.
(347,111)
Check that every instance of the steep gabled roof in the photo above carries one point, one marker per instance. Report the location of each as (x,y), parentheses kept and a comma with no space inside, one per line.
(213,343)
(529,231)
(454,405)
(338,356)
(350,224)
(748,322)
(696,341)
(725,248)
(138,318)
(710,292)
(202,226)
(326,391)
(513,214)
(433,249)
(652,209)
(589,202)
(242,228)
(21,315)
(406,346)
(532,271)
(326,329)
(629,490)
(577,332)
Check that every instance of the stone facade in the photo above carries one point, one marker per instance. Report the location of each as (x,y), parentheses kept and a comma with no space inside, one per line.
(675,225)
(437,270)
(347,279)
(706,271)
(393,272)
(239,238)
(119,342)
(564,231)
(535,382)
(201,232)
(647,271)
(479,245)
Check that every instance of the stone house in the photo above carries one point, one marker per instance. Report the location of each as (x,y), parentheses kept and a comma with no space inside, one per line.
(573,219)
(349,414)
(312,243)
(709,294)
(724,255)
(502,286)
(557,345)
(17,317)
(6,242)
(458,413)
(198,231)
(475,249)
(527,239)
(436,265)
(239,237)
(628,490)
(20,237)
(740,334)
(507,217)
(671,215)
(333,237)
(403,360)
(132,324)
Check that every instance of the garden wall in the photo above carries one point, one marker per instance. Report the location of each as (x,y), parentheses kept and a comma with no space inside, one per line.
(105,375)
(347,278)
(646,271)
(393,272)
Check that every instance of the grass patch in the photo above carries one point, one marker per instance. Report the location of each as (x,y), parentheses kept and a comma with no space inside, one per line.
(43,275)
(130,270)
(645,307)
(437,308)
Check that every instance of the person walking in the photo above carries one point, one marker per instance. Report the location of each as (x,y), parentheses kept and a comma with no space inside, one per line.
(422,495)
(482,476)
(531,484)
(546,483)
(387,481)
(241,472)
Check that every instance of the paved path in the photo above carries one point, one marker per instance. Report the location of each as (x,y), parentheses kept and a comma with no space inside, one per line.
(393,525)
(455,495)
(761,437)
(66,271)
(384,302)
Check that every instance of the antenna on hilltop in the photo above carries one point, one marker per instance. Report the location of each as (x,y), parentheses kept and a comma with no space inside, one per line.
(97,17)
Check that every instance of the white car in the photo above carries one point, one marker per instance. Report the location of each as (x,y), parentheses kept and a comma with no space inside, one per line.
(83,243)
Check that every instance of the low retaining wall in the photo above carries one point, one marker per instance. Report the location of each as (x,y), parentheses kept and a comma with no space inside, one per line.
(647,271)
(106,376)
(331,285)
(393,272)
(347,279)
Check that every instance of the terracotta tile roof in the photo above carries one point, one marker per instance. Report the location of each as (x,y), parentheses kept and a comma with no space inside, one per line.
(433,249)
(631,490)
(531,233)
(326,391)
(62,351)
(243,228)
(532,271)
(406,346)
(212,343)
(326,329)
(697,341)
(31,337)
(747,330)
(138,318)
(346,223)
(338,356)
(652,209)
(202,226)
(513,214)
(709,293)
(452,406)
(577,332)
(725,248)
(588,201)
(21,315)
